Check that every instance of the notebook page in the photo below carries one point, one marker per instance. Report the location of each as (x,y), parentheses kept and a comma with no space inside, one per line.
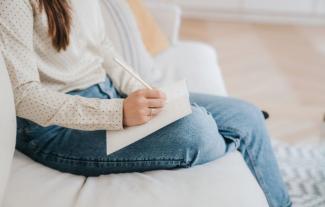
(177,107)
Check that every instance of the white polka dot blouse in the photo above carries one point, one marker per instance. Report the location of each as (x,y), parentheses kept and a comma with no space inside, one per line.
(41,76)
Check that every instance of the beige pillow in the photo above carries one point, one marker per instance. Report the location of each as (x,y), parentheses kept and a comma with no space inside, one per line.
(154,39)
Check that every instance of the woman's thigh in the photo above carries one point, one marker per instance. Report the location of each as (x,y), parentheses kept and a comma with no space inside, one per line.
(229,112)
(189,141)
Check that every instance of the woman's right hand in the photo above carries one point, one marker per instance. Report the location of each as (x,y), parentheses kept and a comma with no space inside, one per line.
(140,106)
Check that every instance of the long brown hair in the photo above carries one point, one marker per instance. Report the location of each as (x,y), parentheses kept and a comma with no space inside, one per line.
(59,20)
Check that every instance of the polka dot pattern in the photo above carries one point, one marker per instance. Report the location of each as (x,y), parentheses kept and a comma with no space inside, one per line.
(41,76)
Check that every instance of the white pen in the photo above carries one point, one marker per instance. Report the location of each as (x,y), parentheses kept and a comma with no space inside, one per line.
(130,71)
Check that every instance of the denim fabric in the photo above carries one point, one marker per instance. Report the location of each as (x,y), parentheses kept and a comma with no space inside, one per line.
(218,125)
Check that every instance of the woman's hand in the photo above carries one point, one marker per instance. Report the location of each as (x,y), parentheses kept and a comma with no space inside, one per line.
(140,106)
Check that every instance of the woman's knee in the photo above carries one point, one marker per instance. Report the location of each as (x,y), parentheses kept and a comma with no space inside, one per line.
(200,139)
(245,113)
(252,111)
(245,120)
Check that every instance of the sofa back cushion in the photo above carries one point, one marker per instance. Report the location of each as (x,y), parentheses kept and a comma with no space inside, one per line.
(153,37)
(123,31)
(7,127)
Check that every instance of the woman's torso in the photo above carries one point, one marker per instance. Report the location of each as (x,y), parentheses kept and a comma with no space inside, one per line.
(81,64)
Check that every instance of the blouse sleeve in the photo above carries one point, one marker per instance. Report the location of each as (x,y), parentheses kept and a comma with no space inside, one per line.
(35,102)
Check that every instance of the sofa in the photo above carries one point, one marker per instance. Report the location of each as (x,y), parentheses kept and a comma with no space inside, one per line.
(226,182)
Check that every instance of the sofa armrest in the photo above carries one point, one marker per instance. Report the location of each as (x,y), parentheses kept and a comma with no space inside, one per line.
(7,127)
(168,17)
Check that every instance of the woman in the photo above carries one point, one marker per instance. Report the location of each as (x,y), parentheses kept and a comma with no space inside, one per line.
(69,92)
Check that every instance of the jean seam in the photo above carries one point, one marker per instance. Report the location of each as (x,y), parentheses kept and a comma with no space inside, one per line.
(242,136)
(88,161)
(105,164)
(258,174)
(113,163)
(107,161)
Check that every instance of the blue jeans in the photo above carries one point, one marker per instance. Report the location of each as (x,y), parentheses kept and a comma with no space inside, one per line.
(218,125)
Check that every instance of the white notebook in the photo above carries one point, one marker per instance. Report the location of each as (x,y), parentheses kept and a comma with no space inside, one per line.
(177,106)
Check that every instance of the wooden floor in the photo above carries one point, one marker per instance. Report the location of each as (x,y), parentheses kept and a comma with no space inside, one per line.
(279,68)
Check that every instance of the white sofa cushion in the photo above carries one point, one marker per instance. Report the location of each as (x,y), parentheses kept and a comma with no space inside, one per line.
(7,126)
(122,29)
(226,182)
(168,16)
(197,62)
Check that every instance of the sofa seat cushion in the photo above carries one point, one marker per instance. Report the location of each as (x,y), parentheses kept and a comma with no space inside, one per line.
(226,182)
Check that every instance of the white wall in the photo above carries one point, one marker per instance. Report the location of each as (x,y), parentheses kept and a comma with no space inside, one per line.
(280,6)
(279,11)
(320,6)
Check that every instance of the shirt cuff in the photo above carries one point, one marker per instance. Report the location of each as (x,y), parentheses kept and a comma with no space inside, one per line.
(114,114)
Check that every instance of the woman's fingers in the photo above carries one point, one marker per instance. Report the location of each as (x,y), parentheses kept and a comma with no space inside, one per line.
(154,111)
(156,103)
(155,94)
(141,106)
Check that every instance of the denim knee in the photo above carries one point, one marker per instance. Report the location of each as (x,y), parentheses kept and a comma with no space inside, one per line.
(201,140)
(246,119)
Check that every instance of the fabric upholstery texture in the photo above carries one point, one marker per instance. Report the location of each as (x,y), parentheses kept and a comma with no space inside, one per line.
(7,127)
(167,16)
(224,183)
(126,37)
(196,62)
